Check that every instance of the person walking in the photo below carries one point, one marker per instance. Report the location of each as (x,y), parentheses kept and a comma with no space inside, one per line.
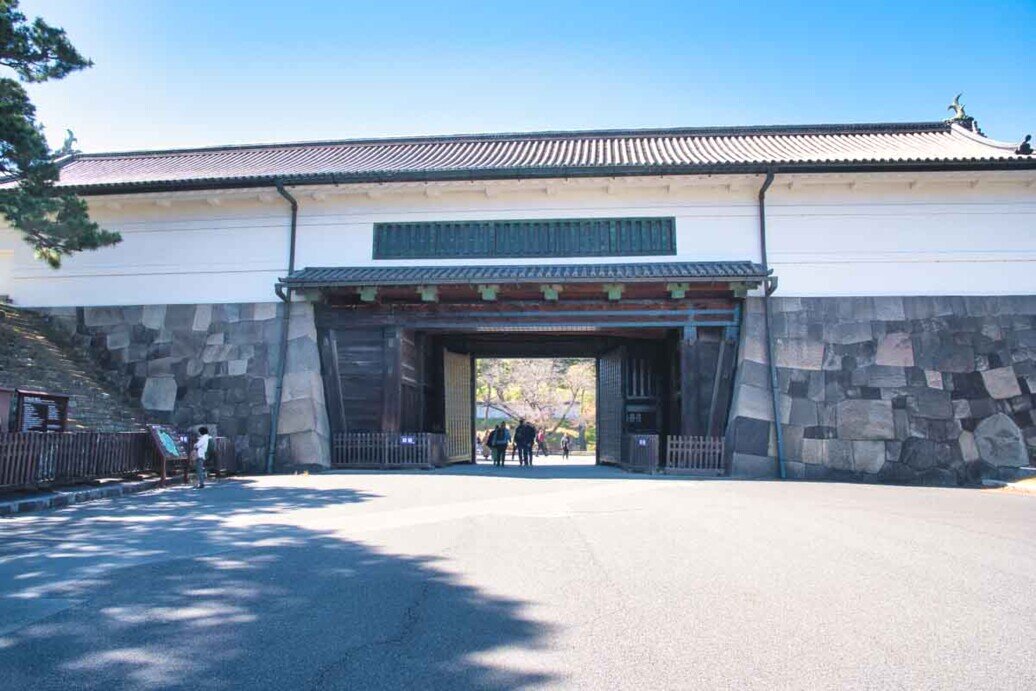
(499,440)
(566,446)
(201,452)
(541,443)
(485,445)
(524,434)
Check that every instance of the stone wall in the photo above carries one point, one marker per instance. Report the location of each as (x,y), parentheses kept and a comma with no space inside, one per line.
(215,365)
(933,390)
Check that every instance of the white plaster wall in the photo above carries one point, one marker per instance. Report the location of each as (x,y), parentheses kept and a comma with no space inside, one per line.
(6,270)
(709,227)
(934,239)
(188,252)
(863,236)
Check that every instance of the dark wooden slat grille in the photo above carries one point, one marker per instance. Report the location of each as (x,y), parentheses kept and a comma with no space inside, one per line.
(595,237)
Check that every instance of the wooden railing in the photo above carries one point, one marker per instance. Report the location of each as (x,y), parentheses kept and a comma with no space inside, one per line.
(37,459)
(694,455)
(388,450)
(640,452)
(42,459)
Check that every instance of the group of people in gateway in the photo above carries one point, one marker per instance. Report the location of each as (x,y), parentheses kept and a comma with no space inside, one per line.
(497,441)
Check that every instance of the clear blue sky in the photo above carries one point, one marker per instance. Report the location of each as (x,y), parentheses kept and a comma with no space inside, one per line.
(187,72)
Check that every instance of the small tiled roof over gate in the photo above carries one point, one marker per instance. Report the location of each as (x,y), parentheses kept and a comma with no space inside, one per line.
(814,148)
(631,272)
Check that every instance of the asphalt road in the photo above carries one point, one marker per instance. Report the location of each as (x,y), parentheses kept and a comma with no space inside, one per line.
(580,578)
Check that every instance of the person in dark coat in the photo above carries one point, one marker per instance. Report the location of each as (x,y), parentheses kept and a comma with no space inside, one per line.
(524,435)
(498,441)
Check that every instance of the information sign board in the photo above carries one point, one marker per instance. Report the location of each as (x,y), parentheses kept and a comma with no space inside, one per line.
(41,412)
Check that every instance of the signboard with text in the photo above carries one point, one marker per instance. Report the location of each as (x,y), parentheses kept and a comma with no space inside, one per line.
(41,412)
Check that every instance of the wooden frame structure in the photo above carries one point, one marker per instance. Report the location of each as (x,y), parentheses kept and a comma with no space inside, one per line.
(398,344)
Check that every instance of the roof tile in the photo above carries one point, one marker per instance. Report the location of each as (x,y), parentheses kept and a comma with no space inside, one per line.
(542,154)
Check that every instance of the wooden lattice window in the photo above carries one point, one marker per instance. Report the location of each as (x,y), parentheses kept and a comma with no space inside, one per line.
(587,237)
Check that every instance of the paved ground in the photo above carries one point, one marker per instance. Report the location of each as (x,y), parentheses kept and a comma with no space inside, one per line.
(555,578)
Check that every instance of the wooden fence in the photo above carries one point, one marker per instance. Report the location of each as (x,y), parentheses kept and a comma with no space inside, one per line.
(35,459)
(694,455)
(388,450)
(41,459)
(640,452)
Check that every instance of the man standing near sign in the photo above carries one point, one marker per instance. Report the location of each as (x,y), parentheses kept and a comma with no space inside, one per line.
(201,452)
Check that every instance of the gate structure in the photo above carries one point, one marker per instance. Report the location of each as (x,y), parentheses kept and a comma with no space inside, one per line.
(398,344)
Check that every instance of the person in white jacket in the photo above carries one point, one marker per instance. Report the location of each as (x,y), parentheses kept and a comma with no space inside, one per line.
(201,451)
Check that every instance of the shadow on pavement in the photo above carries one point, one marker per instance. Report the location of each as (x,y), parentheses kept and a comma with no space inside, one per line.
(159,592)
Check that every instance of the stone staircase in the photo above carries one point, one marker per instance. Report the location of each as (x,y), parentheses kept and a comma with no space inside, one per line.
(32,356)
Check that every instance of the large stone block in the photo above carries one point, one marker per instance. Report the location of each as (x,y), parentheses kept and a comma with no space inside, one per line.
(751,436)
(264,310)
(754,349)
(930,403)
(102,316)
(159,393)
(848,332)
(865,419)
(935,353)
(153,316)
(748,466)
(303,356)
(920,454)
(1002,382)
(117,339)
(889,309)
(1000,442)
(309,449)
(202,318)
(298,416)
(839,454)
(799,353)
(880,376)
(868,456)
(968,447)
(753,402)
(803,413)
(895,350)
(303,324)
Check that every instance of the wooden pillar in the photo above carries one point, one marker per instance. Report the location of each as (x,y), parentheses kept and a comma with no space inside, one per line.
(689,377)
(392,381)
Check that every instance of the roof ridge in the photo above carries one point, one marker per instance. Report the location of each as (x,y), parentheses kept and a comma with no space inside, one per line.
(717,131)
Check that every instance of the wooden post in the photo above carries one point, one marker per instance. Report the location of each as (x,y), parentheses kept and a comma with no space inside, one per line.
(689,379)
(392,381)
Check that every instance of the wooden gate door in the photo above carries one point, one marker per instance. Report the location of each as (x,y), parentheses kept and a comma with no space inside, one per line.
(459,402)
(610,404)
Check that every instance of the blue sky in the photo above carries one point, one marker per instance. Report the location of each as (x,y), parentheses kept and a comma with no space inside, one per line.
(190,73)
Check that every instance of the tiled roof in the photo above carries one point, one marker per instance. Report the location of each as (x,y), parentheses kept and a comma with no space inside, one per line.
(905,146)
(691,272)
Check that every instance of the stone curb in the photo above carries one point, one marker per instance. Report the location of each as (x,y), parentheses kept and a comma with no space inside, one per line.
(61,498)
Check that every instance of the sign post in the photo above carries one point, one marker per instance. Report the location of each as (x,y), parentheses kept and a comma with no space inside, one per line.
(167,442)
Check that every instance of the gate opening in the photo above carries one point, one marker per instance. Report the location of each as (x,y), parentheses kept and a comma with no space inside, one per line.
(557,399)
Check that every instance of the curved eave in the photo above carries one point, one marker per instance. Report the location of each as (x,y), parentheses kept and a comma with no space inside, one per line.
(1028,163)
(459,275)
